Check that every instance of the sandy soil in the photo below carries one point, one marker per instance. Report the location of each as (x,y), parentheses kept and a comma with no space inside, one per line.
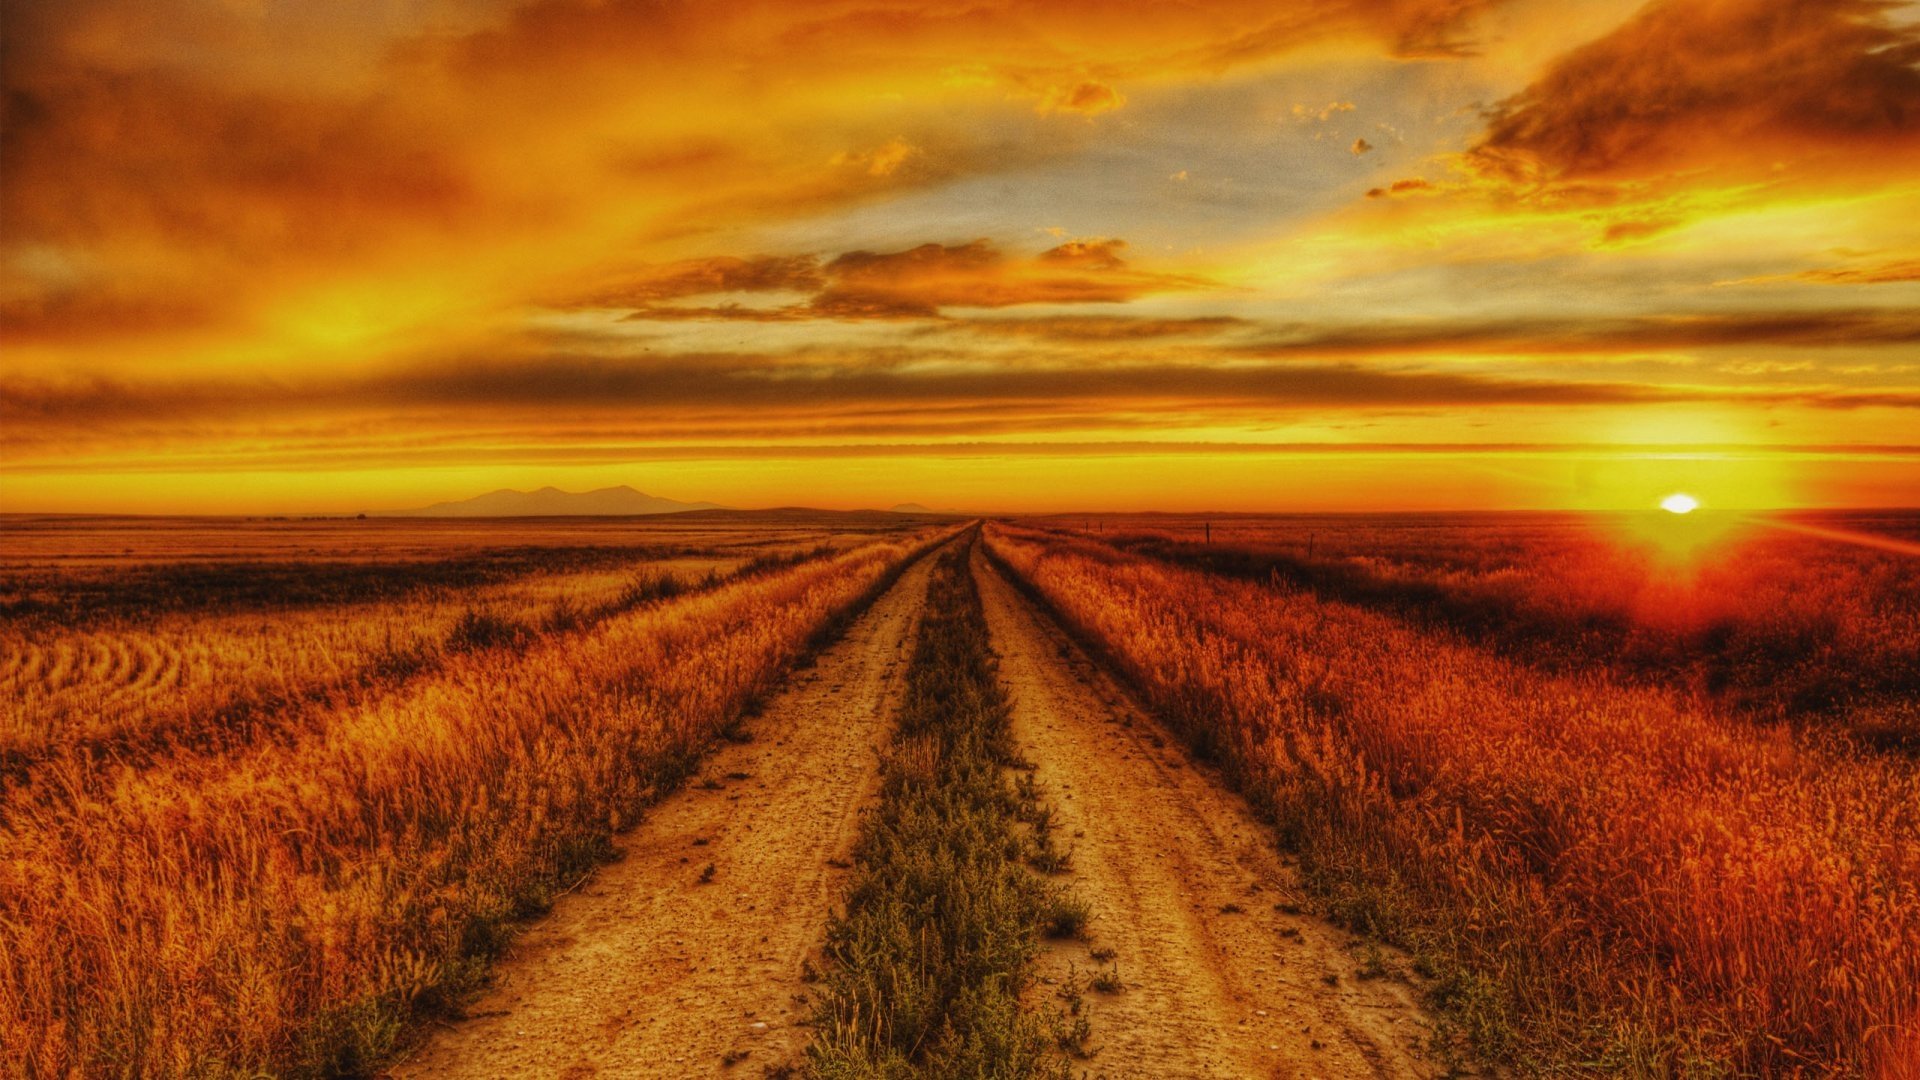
(652,970)
(1186,887)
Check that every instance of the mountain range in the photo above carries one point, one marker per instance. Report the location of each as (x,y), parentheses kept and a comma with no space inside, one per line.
(620,501)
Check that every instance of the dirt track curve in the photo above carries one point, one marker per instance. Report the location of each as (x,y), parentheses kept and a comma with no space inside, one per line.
(1220,980)
(649,971)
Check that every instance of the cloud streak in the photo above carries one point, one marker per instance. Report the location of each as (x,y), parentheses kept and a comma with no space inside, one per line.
(1822,329)
(1898,272)
(765,392)
(914,283)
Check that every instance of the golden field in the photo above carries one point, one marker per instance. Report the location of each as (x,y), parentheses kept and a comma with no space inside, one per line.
(1603,868)
(1637,797)
(137,636)
(194,887)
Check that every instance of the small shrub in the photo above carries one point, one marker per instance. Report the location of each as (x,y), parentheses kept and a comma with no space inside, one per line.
(479,630)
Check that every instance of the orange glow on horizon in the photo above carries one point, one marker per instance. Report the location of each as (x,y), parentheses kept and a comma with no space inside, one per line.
(266,261)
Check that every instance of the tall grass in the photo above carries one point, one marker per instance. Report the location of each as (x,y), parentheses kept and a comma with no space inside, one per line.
(933,954)
(1780,626)
(1601,876)
(286,908)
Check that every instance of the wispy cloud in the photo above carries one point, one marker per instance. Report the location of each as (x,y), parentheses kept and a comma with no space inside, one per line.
(1896,272)
(914,283)
(1539,336)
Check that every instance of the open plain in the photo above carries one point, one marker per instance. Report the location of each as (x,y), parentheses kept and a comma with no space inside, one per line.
(849,795)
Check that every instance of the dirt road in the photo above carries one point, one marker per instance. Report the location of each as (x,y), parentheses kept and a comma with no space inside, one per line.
(662,967)
(1220,980)
(659,967)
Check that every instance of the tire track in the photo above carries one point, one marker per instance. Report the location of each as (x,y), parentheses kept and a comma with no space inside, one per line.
(1223,976)
(662,967)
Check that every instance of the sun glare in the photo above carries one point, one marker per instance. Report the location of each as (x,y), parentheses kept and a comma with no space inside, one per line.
(1680,533)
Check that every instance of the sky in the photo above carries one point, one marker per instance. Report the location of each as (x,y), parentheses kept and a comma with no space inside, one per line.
(264,256)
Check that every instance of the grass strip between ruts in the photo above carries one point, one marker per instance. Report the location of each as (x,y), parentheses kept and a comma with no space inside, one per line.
(932,960)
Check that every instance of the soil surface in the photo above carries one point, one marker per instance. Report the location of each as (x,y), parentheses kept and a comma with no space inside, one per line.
(658,967)
(1222,974)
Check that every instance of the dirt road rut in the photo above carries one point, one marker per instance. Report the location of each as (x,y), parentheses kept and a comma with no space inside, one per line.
(1220,979)
(659,967)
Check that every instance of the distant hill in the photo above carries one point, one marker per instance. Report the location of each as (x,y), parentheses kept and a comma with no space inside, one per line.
(917,508)
(552,502)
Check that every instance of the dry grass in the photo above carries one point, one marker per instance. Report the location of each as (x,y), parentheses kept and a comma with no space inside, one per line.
(283,904)
(1778,626)
(1606,876)
(193,675)
(932,959)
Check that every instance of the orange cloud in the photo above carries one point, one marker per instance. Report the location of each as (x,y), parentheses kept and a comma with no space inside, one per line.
(1400,187)
(173,166)
(684,390)
(1725,84)
(1898,271)
(922,280)
(1427,27)
(557,408)
(1629,230)
(885,159)
(1808,330)
(1086,98)
(235,229)
(916,283)
(1106,328)
(1409,28)
(1324,113)
(1689,112)
(719,274)
(143,184)
(1087,254)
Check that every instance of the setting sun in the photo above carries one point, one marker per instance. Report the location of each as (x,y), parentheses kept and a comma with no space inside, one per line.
(1679,503)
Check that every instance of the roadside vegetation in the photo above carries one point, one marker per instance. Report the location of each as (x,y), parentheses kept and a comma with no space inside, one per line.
(1772,625)
(284,900)
(1599,875)
(930,969)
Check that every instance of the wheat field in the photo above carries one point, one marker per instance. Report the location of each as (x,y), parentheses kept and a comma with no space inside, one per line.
(250,838)
(1594,868)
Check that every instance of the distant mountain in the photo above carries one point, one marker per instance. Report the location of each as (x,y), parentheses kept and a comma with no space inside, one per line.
(917,508)
(552,502)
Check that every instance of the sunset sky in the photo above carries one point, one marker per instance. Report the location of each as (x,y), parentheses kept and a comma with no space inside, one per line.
(272,256)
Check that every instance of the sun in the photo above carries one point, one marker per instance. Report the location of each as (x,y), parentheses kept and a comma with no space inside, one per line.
(1679,531)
